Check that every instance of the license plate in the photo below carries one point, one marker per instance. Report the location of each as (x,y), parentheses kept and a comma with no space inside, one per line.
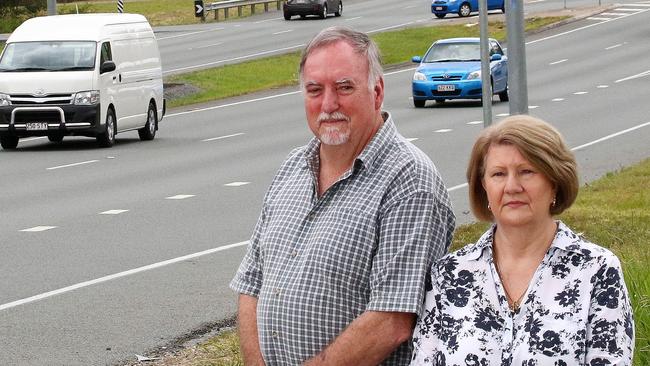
(438,7)
(36,126)
(446,87)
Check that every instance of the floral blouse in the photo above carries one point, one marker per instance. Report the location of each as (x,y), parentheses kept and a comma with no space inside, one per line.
(576,310)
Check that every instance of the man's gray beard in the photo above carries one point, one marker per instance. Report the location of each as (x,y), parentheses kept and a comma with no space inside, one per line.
(333,136)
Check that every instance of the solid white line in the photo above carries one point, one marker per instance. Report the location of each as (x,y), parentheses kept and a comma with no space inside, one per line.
(73,164)
(559,62)
(113,212)
(236,184)
(391,27)
(610,136)
(37,229)
(189,34)
(223,137)
(629,10)
(635,4)
(234,58)
(117,275)
(613,14)
(233,104)
(355,18)
(206,46)
(457,187)
(179,197)
(266,20)
(614,46)
(599,19)
(645,73)
(411,139)
(284,31)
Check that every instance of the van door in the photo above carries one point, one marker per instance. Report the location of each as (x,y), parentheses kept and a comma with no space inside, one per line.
(108,81)
(128,99)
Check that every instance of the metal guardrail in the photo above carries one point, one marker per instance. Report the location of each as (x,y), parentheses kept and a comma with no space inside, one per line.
(225,6)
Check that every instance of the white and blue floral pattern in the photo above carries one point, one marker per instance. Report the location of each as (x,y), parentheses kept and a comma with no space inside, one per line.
(576,310)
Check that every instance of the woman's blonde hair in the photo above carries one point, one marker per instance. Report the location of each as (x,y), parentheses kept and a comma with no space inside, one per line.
(539,143)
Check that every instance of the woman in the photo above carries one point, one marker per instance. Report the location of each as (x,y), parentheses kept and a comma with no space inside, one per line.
(530,291)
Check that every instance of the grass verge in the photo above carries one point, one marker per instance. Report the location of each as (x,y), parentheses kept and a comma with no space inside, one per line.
(270,72)
(612,212)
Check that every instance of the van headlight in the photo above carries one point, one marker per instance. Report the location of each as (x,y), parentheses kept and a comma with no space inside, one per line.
(4,100)
(418,76)
(90,97)
(474,75)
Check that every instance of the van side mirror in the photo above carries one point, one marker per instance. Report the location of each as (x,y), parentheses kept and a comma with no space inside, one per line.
(495,57)
(107,66)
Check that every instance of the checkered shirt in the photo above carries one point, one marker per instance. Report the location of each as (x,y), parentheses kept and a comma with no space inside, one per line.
(367,244)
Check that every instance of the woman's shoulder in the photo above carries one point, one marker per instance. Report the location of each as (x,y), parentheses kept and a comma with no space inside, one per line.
(468,253)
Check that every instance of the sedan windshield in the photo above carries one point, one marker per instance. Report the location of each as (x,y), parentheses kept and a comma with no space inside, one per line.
(48,56)
(453,52)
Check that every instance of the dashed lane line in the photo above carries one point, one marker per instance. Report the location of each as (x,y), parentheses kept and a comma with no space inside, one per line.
(179,197)
(71,165)
(37,229)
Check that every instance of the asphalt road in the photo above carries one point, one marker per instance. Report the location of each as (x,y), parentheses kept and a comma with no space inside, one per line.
(87,231)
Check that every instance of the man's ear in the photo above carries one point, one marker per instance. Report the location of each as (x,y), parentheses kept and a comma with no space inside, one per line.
(379,93)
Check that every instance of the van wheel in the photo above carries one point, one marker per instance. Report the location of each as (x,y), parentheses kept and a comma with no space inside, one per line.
(148,132)
(55,137)
(8,142)
(107,138)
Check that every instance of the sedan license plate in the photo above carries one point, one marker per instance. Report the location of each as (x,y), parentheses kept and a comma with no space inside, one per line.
(438,7)
(446,87)
(36,126)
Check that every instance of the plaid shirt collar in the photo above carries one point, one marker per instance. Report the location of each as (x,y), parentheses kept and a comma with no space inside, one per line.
(367,158)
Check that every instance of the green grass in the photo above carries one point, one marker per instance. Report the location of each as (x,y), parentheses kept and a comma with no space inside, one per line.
(612,212)
(157,12)
(396,47)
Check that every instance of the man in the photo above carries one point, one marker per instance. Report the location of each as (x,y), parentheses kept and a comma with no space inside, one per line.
(335,271)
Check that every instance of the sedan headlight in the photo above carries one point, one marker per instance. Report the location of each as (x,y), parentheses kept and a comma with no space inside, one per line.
(4,100)
(418,76)
(90,97)
(474,75)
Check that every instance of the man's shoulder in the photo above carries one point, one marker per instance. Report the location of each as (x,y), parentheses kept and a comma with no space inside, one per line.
(411,165)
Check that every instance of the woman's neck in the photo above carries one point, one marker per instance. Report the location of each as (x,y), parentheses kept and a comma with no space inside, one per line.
(517,243)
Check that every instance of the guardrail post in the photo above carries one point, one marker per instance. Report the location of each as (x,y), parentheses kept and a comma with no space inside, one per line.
(266,7)
(216,14)
(225,13)
(278,2)
(252,9)
(239,11)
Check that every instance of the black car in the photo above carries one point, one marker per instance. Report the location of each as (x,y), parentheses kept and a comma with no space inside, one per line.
(312,7)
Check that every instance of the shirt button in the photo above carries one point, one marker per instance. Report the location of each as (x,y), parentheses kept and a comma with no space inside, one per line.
(274,334)
(294,254)
(276,292)
(310,216)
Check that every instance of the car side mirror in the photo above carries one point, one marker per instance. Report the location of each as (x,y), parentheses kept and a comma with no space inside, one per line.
(416,59)
(107,66)
(495,57)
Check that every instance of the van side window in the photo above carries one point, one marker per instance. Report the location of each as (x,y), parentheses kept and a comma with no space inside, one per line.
(106,53)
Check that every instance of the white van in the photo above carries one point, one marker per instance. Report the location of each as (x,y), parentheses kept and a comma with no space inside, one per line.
(82,74)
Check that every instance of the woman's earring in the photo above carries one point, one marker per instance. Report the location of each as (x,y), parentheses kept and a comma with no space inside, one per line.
(553,203)
(489,208)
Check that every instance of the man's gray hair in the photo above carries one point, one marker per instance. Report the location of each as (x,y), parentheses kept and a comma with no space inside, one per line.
(360,42)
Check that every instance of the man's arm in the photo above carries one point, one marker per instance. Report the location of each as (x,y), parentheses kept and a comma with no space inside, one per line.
(368,340)
(248,338)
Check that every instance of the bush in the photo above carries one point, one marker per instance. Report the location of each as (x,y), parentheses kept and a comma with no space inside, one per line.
(14,12)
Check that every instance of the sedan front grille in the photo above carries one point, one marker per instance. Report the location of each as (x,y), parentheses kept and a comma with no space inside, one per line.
(448,78)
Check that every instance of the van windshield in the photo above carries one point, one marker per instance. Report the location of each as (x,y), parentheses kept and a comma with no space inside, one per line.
(48,56)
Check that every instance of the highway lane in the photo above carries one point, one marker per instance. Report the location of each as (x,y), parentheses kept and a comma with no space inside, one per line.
(112,320)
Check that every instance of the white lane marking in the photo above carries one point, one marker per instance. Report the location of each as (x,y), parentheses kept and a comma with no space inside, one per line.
(73,164)
(443,130)
(559,61)
(613,14)
(234,58)
(602,86)
(266,20)
(391,27)
(598,19)
(474,122)
(611,136)
(236,184)
(189,34)
(580,93)
(411,139)
(225,247)
(533,106)
(557,99)
(535,1)
(614,46)
(223,137)
(468,25)
(179,197)
(503,114)
(631,10)
(113,212)
(32,138)
(118,275)
(645,73)
(635,4)
(233,104)
(206,46)
(355,18)
(284,31)
(37,229)
(409,7)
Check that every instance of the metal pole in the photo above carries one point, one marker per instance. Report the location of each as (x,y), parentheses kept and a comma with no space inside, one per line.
(517,81)
(485,64)
(51,7)
(120,6)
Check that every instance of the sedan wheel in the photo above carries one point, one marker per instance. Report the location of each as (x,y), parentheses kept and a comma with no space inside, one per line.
(440,16)
(287,16)
(464,10)
(419,103)
(324,14)
(340,10)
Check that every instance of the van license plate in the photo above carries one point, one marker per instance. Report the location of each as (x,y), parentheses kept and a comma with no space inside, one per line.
(446,87)
(439,8)
(36,126)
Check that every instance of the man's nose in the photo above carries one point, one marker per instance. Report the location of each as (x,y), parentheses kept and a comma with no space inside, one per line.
(330,101)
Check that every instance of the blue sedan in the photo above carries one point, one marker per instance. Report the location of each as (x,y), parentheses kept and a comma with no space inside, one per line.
(463,8)
(451,69)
